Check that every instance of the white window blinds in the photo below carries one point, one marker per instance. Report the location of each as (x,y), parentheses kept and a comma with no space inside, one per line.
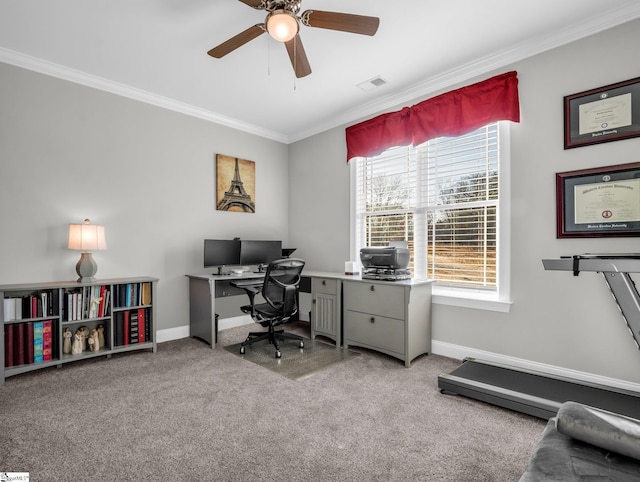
(442,198)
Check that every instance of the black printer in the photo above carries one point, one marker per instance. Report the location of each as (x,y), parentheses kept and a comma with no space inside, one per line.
(388,263)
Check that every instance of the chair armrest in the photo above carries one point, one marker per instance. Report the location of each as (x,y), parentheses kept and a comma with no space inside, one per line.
(252,288)
(249,284)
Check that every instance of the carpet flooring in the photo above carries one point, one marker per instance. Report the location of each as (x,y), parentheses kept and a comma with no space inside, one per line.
(192,413)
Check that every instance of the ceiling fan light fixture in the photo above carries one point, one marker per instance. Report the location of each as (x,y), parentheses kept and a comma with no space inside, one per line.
(282,25)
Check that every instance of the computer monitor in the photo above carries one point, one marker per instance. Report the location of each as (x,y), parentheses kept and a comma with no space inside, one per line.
(221,252)
(253,252)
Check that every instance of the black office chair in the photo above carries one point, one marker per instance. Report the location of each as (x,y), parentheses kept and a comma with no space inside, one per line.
(280,291)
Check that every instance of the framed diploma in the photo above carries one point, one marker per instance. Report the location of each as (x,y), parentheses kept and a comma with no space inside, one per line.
(594,203)
(608,113)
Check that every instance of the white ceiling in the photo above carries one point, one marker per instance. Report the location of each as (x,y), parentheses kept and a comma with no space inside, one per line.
(156,51)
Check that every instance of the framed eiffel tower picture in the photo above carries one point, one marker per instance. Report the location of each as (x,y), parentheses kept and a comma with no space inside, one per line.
(235,184)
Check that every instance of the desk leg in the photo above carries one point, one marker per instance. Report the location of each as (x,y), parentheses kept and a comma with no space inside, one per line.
(202,322)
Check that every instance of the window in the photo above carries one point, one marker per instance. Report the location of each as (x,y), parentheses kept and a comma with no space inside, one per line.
(443,198)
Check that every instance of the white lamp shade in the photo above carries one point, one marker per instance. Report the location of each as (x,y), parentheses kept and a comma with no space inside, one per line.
(282,25)
(87,237)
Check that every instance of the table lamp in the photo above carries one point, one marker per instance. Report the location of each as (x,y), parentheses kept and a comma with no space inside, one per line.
(86,237)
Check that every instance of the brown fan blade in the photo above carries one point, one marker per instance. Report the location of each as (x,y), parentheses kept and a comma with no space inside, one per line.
(254,3)
(341,21)
(298,57)
(238,41)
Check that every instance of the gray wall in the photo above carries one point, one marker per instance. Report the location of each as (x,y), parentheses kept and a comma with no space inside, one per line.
(555,319)
(69,152)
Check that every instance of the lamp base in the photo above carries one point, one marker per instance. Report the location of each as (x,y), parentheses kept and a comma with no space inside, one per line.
(86,268)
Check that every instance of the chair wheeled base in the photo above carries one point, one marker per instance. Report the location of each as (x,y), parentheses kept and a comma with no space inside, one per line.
(273,336)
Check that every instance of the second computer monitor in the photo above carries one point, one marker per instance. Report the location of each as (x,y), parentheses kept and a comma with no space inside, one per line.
(259,252)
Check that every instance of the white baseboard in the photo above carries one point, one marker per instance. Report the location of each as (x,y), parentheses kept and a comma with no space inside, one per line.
(226,323)
(179,332)
(459,352)
(172,333)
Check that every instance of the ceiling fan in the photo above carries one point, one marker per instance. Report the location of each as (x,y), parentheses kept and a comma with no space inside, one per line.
(283,24)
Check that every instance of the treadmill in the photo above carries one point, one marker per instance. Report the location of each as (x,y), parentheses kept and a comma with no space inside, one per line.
(540,394)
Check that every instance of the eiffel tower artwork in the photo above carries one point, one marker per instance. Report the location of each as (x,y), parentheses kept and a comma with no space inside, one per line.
(238,195)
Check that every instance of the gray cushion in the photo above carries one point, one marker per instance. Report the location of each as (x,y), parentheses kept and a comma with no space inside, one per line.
(601,428)
(560,458)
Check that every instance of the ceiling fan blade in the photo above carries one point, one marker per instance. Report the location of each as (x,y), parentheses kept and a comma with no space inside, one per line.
(298,57)
(238,41)
(253,3)
(341,21)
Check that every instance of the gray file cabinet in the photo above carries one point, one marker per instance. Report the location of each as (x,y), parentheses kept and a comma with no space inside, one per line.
(389,317)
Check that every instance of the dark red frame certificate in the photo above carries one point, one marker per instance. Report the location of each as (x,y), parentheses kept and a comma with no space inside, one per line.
(605,114)
(599,202)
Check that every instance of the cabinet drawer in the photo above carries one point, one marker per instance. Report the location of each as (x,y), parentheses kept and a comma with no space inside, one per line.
(324,285)
(375,331)
(375,298)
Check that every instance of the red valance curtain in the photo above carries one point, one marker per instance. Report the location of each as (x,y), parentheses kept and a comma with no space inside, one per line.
(447,115)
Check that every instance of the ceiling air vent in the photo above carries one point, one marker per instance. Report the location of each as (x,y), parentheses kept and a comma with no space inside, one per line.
(371,84)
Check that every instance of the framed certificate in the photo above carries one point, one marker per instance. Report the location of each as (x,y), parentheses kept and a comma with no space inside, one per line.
(594,203)
(608,113)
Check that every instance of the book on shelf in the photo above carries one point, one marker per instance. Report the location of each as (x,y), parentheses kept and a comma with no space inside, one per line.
(147,324)
(8,344)
(32,302)
(28,343)
(9,307)
(107,302)
(80,306)
(101,300)
(133,327)
(47,340)
(125,328)
(18,347)
(141,324)
(119,328)
(42,305)
(145,297)
(54,303)
(37,342)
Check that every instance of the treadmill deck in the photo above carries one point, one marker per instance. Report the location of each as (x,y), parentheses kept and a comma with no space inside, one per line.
(533,393)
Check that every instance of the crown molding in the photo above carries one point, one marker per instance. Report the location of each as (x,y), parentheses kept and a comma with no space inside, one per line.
(65,73)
